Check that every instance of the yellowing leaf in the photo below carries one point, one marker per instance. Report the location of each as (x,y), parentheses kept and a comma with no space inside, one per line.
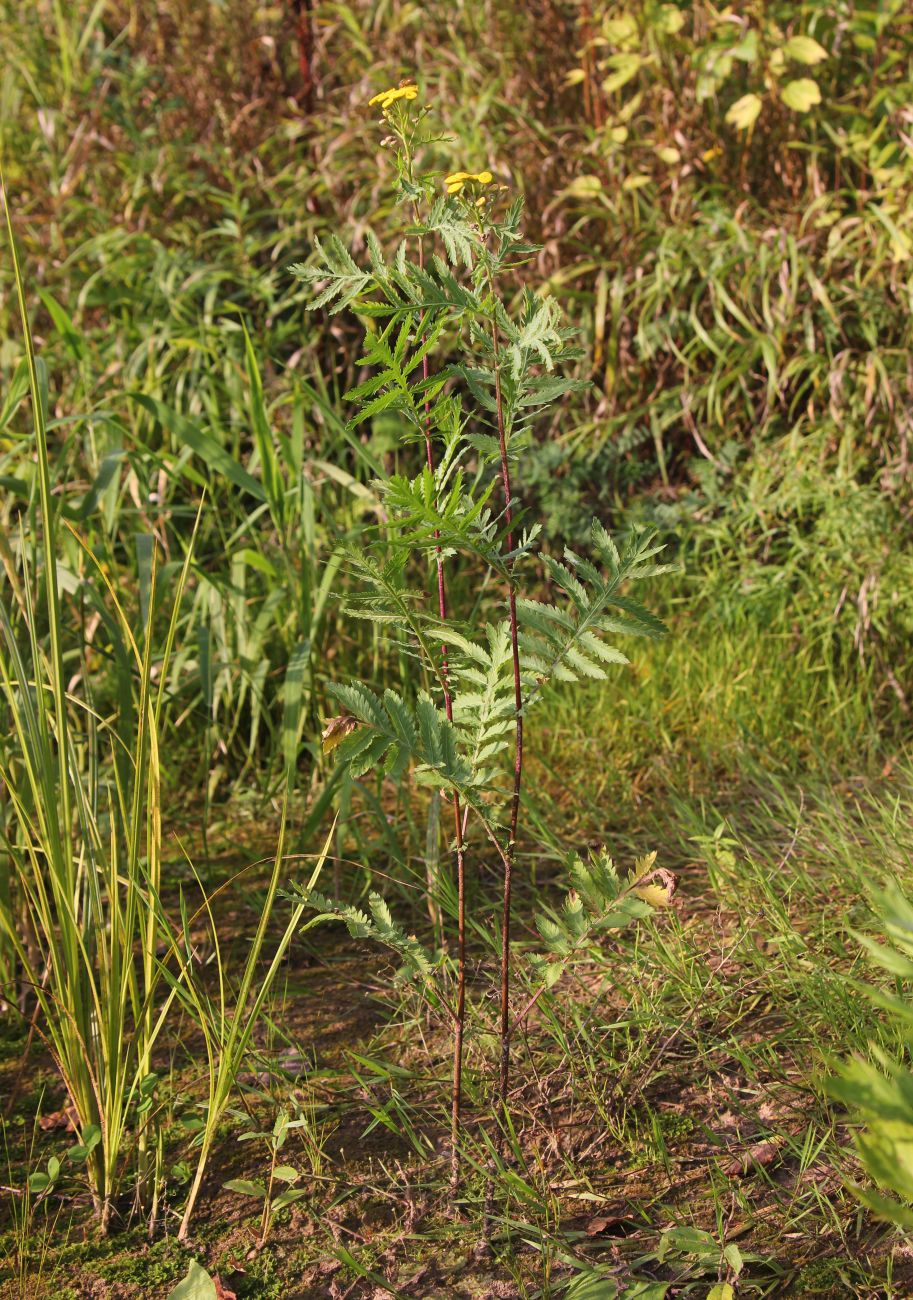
(574,77)
(654,895)
(744,112)
(618,134)
(801,95)
(804,49)
(669,155)
(654,885)
(635,182)
(644,864)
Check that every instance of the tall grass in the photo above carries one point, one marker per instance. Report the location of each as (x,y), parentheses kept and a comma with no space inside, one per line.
(84,835)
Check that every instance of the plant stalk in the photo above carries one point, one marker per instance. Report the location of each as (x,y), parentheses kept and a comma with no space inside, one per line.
(459,1015)
(504,1031)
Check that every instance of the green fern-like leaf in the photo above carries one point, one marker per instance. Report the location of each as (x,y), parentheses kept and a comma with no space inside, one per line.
(569,642)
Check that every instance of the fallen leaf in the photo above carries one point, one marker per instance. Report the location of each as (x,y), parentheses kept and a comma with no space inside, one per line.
(763,1154)
(336,730)
(65,1119)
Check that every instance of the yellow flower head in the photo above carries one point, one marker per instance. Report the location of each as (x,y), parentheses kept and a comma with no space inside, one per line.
(388,97)
(456,180)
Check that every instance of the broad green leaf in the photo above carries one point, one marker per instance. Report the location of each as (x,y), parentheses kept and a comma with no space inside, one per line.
(288,1197)
(286,1174)
(747,49)
(722,1291)
(245,1186)
(733,1257)
(197,1285)
(744,112)
(801,95)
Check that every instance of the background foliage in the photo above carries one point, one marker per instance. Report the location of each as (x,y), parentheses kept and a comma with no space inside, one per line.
(723,198)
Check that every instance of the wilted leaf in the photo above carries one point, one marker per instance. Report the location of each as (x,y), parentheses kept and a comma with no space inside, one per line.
(763,1153)
(804,49)
(744,112)
(66,1119)
(336,730)
(801,95)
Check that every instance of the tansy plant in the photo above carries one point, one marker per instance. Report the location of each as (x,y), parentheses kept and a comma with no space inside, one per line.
(466,371)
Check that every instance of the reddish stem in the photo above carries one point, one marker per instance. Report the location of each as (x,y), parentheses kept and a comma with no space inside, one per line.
(304,24)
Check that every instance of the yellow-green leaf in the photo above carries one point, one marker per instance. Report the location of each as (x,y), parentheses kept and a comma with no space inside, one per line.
(744,112)
(644,864)
(621,31)
(669,155)
(801,95)
(722,1291)
(624,67)
(671,19)
(804,49)
(654,885)
(582,187)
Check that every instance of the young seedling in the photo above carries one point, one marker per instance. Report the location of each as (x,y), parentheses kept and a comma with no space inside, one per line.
(284,1176)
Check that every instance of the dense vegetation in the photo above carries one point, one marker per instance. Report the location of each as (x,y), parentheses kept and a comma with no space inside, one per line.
(282,413)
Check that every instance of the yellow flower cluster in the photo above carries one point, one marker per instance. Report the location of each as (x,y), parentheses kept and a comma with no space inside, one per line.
(457,180)
(388,97)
